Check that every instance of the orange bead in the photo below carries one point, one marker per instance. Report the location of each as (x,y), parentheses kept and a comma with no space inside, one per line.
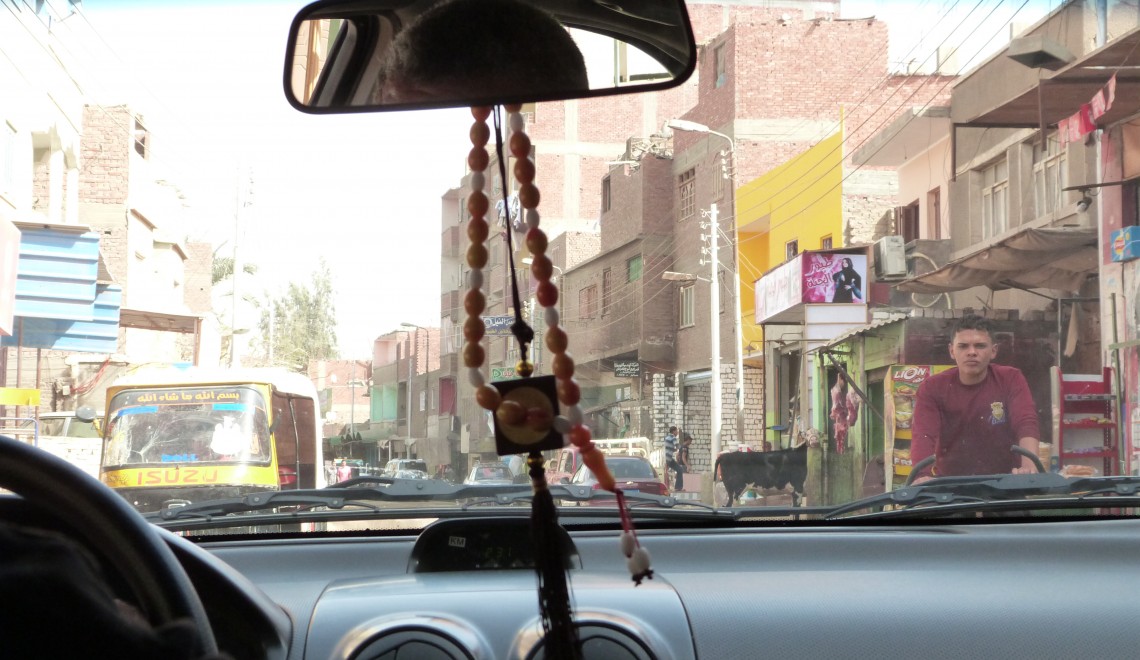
(477,230)
(520,145)
(556,340)
(579,435)
(477,159)
(474,302)
(476,255)
(524,170)
(474,329)
(546,294)
(568,392)
(529,196)
(473,355)
(563,366)
(541,268)
(488,397)
(514,107)
(595,460)
(605,479)
(511,413)
(477,204)
(480,133)
(481,112)
(536,241)
(539,419)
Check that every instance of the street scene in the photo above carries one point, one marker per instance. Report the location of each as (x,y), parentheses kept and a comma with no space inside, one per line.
(743,264)
(563,329)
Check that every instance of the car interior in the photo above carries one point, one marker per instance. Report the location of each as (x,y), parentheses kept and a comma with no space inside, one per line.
(377,567)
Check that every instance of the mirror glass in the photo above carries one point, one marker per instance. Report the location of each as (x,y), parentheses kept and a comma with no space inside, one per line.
(351,56)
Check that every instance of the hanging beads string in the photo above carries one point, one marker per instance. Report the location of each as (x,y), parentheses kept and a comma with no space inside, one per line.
(572,424)
(523,333)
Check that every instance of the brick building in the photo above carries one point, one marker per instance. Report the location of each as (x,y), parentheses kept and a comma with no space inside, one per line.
(137,217)
(609,168)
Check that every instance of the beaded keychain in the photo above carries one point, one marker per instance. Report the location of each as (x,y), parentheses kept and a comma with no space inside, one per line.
(526,411)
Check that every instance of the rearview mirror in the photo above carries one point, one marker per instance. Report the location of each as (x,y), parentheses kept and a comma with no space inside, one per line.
(380,55)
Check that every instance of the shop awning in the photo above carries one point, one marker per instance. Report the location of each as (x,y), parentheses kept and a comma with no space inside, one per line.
(1044,258)
(155,320)
(1063,92)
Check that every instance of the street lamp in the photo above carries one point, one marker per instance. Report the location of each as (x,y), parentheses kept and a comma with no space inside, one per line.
(408,397)
(694,127)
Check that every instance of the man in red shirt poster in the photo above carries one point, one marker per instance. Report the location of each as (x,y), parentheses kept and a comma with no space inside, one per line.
(970,415)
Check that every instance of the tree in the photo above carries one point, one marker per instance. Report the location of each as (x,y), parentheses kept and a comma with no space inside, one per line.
(300,325)
(224,268)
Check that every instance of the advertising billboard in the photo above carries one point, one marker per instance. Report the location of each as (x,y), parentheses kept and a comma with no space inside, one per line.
(812,278)
(831,277)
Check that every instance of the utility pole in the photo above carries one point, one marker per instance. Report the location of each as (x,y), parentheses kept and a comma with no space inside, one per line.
(727,172)
(243,199)
(714,331)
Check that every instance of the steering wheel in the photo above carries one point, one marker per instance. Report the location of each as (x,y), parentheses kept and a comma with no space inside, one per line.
(1017,449)
(107,524)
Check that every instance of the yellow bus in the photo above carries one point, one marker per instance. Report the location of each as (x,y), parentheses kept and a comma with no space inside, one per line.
(174,436)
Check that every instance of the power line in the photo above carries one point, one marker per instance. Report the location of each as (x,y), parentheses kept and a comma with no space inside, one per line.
(850,134)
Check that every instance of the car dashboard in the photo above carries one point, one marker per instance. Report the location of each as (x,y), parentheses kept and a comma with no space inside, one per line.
(1060,588)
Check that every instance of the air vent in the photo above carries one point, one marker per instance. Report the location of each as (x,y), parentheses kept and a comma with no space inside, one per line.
(602,642)
(412,644)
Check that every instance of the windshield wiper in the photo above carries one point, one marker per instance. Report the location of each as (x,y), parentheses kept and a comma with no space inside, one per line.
(362,491)
(991,492)
(585,493)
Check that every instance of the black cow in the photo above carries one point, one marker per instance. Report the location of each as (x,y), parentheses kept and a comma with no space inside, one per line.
(764,469)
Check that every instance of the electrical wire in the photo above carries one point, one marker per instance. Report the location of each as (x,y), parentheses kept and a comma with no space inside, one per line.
(857,168)
(849,135)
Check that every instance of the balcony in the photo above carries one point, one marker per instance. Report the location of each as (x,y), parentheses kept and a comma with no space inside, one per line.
(450,303)
(452,242)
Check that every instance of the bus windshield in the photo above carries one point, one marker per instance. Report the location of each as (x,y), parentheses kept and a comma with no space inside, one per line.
(187,425)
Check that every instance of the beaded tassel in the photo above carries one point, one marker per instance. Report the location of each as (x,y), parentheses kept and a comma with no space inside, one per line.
(571,425)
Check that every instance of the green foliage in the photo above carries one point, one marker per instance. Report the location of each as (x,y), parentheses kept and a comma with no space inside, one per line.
(224,268)
(300,325)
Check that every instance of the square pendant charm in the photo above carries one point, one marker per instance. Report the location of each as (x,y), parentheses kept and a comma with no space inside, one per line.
(537,398)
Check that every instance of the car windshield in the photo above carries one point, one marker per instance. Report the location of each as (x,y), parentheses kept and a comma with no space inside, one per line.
(868,247)
(621,468)
(197,425)
(489,472)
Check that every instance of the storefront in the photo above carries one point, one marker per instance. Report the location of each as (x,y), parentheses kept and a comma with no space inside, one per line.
(868,379)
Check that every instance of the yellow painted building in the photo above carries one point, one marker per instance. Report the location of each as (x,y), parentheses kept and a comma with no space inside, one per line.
(799,205)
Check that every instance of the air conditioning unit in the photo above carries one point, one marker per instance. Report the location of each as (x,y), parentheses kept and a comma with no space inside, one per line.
(890,258)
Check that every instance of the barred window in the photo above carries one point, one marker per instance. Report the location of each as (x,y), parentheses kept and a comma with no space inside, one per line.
(687,183)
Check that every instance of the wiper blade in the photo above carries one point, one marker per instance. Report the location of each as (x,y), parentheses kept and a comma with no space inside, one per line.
(1003,491)
(586,493)
(359,492)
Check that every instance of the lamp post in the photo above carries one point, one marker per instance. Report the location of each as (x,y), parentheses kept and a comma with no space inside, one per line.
(694,127)
(408,392)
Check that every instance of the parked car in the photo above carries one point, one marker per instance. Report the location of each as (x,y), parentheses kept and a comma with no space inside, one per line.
(410,474)
(634,474)
(490,474)
(397,464)
(73,435)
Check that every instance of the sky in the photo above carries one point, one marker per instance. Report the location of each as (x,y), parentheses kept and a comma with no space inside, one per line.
(360,190)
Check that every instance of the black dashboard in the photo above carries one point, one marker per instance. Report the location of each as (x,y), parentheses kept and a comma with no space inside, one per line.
(993,589)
